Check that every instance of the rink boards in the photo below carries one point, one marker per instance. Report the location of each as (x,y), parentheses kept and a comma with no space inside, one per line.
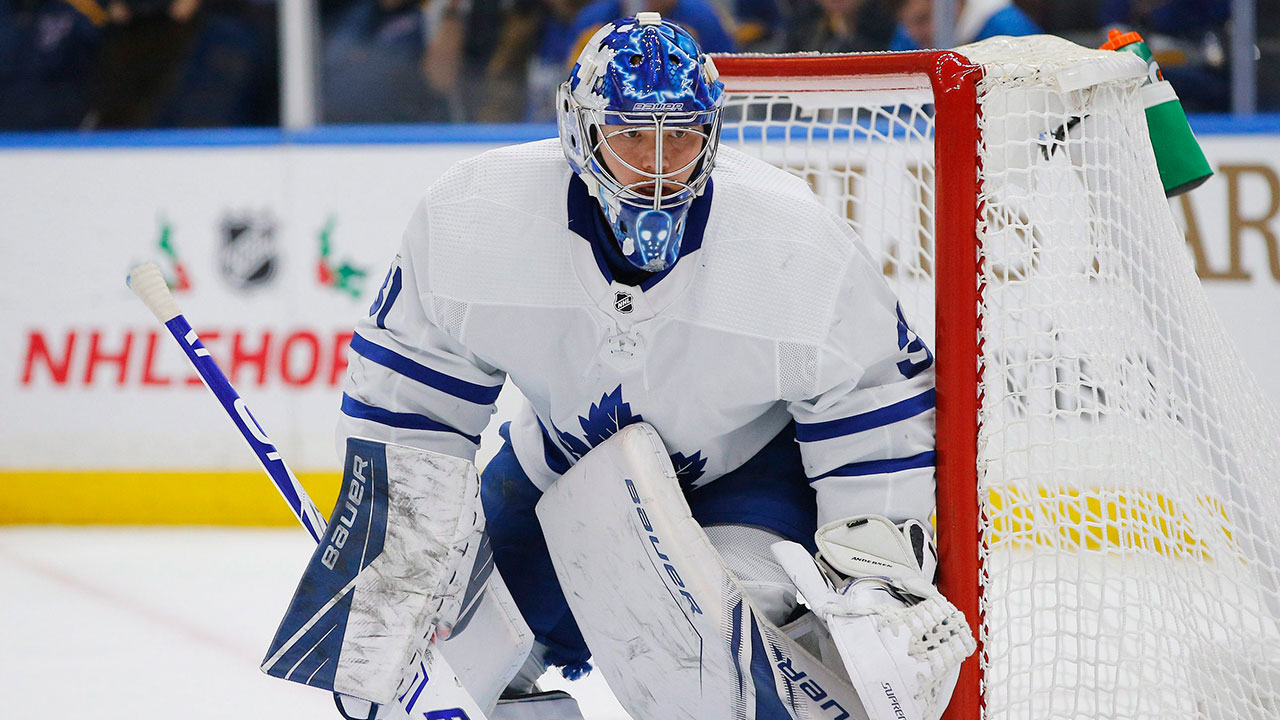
(275,247)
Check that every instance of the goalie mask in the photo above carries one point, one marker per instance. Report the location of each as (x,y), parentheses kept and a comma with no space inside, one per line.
(639,120)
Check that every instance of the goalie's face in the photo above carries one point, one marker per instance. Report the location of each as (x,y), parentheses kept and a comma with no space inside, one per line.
(651,164)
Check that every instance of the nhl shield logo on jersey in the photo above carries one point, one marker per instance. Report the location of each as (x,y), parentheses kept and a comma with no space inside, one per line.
(622,302)
(247,255)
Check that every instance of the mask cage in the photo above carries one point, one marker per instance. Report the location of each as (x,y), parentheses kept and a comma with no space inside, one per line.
(672,193)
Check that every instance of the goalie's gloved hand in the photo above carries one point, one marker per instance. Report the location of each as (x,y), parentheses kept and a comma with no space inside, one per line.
(871,583)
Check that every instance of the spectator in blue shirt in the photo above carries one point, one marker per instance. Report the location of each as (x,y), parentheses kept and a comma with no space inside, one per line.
(976,20)
(700,17)
(758,25)
(1179,18)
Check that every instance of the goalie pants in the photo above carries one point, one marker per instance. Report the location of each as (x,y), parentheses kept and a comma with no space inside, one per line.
(743,511)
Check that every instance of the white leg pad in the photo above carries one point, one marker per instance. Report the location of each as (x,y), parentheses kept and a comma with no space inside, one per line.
(667,623)
(491,640)
(468,671)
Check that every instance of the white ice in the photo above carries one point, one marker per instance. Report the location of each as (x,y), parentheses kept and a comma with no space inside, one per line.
(162,624)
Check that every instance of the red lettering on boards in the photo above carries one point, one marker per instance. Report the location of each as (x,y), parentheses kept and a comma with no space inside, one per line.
(125,357)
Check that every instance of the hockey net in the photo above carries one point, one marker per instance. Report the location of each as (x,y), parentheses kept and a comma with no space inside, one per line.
(1108,468)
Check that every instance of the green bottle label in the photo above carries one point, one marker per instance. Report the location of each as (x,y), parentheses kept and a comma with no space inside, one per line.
(1140,49)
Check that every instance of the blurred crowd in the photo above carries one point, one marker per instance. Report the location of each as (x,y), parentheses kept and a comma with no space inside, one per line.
(213,63)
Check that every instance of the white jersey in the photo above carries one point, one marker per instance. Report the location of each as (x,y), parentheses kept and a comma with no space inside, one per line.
(773,313)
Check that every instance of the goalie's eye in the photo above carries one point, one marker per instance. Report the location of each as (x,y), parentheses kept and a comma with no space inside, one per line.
(630,134)
(677,134)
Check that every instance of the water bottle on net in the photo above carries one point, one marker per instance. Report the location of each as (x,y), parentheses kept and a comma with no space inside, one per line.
(1179,158)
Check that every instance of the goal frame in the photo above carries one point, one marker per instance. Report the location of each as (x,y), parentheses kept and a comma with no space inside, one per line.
(958,344)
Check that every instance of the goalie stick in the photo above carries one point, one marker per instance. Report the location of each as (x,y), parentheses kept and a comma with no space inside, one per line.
(149,285)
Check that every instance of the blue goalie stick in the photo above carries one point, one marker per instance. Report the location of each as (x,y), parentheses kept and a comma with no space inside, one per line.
(149,285)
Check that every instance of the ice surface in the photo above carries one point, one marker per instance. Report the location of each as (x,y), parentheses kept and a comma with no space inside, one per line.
(162,624)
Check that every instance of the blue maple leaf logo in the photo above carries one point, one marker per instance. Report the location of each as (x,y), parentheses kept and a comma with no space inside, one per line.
(609,416)
(688,469)
(576,447)
(604,419)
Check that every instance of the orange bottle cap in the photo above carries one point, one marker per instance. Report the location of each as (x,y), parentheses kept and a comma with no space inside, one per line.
(1117,39)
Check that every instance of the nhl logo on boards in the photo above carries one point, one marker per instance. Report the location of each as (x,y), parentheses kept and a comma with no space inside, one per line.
(247,255)
(622,302)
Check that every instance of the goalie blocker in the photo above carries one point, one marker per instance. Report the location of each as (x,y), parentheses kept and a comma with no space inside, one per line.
(674,633)
(403,559)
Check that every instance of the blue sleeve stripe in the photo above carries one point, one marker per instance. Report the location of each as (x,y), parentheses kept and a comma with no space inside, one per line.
(471,392)
(881,467)
(901,410)
(410,421)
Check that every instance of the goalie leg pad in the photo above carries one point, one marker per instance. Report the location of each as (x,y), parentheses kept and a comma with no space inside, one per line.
(391,567)
(468,671)
(667,622)
(491,640)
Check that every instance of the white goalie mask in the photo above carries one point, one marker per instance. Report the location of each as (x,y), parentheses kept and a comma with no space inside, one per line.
(639,121)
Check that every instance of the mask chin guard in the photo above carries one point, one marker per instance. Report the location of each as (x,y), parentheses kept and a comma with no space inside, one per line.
(650,239)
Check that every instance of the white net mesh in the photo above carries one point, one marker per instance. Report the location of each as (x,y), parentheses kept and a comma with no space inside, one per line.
(1127,461)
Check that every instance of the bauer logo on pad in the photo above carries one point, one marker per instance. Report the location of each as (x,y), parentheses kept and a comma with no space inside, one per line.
(308,643)
(348,509)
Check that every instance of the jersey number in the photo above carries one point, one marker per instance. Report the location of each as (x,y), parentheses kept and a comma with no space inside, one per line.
(918,355)
(387,295)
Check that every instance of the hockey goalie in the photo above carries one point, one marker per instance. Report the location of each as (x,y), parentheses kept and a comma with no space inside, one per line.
(726,412)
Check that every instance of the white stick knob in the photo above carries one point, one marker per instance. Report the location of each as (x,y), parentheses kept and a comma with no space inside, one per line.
(149,285)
